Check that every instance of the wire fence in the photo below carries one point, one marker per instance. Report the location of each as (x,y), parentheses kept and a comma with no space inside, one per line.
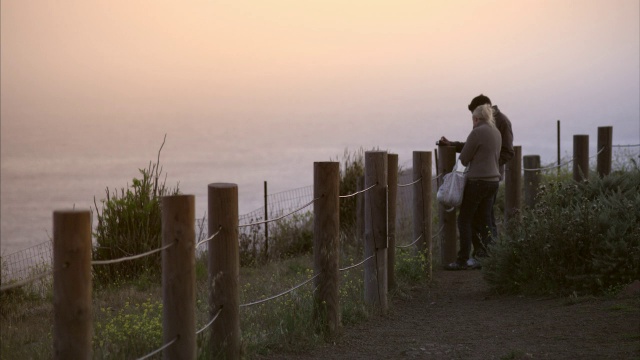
(26,263)
(551,167)
(280,205)
(43,253)
(620,151)
(37,259)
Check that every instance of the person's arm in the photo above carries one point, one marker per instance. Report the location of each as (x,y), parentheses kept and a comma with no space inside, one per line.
(506,151)
(469,149)
(459,145)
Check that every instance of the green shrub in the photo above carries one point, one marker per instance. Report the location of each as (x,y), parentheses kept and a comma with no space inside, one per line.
(249,242)
(411,267)
(351,169)
(134,328)
(580,237)
(288,237)
(291,236)
(130,224)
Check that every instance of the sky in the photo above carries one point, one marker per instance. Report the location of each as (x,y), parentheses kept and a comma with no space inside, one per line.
(380,73)
(248,91)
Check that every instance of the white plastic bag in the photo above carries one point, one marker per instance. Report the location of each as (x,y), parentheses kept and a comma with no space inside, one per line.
(452,188)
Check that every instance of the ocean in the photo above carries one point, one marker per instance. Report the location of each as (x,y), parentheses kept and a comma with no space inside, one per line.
(48,166)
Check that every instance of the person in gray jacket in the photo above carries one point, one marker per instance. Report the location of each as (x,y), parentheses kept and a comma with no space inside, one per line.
(480,155)
(503,124)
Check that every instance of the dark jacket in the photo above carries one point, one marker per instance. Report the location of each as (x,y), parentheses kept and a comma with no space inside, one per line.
(503,124)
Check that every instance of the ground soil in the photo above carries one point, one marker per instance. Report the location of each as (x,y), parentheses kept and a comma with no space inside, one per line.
(458,317)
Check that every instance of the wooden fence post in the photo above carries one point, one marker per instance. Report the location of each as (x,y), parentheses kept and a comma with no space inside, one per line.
(179,276)
(266,224)
(422,206)
(558,140)
(360,213)
(392,182)
(326,243)
(375,244)
(224,270)
(448,235)
(513,185)
(580,157)
(73,322)
(605,142)
(531,179)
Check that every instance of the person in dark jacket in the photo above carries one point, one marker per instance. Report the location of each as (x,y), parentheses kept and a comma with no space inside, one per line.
(503,124)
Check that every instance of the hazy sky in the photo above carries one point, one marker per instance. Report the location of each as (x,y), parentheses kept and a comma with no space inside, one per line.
(372,68)
(253,91)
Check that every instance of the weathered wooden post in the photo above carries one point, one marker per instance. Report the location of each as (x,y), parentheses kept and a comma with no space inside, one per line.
(375,244)
(513,185)
(360,213)
(580,157)
(179,276)
(422,205)
(73,322)
(531,179)
(392,205)
(266,223)
(224,269)
(558,139)
(605,142)
(326,243)
(448,235)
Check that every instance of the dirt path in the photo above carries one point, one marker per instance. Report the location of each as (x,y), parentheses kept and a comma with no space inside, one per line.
(457,317)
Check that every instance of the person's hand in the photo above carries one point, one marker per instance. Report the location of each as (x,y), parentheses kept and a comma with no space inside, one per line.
(444,141)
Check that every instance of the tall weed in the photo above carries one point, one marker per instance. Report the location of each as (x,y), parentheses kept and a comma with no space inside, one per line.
(130,224)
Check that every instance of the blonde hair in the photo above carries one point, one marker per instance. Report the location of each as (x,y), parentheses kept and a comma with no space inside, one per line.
(485,113)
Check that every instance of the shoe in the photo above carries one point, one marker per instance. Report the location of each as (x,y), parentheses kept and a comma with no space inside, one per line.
(455,266)
(474,264)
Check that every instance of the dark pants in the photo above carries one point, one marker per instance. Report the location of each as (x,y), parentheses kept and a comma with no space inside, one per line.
(480,248)
(474,219)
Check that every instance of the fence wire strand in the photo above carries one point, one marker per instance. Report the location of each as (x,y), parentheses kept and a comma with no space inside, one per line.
(26,281)
(563,164)
(281,217)
(159,350)
(411,183)
(210,322)
(358,192)
(281,294)
(438,233)
(209,238)
(358,264)
(419,237)
(106,262)
(415,241)
(552,166)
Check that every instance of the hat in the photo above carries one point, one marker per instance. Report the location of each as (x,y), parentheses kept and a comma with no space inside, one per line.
(477,101)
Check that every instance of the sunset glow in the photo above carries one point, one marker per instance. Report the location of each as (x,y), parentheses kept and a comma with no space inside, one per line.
(248,91)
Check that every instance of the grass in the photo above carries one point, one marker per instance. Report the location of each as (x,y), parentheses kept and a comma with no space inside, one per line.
(128,316)
(127,313)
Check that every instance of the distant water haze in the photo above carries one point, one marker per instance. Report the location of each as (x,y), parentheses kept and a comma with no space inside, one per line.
(253,91)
